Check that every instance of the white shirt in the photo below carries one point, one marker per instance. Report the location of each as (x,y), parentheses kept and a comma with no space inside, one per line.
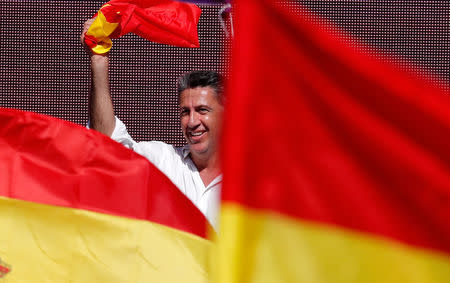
(176,164)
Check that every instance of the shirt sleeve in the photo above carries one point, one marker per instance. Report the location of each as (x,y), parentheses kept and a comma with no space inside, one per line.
(121,135)
(159,153)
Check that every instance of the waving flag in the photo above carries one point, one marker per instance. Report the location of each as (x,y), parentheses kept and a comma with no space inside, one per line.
(76,206)
(163,21)
(341,172)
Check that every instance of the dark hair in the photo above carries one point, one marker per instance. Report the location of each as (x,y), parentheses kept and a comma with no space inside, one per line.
(202,79)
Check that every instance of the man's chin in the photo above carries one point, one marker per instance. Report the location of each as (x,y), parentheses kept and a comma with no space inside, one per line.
(197,148)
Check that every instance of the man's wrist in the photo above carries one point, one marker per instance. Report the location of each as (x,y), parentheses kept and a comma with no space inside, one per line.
(99,58)
(99,61)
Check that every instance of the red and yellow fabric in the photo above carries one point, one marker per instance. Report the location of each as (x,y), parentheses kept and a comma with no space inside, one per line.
(341,172)
(163,21)
(77,206)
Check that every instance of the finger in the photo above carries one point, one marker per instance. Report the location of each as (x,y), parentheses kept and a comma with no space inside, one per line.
(86,26)
(88,23)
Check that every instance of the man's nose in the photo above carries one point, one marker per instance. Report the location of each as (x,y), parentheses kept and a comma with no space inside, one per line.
(193,120)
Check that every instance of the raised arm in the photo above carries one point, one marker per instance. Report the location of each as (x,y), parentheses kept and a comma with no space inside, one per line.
(101,111)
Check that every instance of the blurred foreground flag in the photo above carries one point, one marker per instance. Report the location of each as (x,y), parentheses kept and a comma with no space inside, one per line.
(76,206)
(163,21)
(341,168)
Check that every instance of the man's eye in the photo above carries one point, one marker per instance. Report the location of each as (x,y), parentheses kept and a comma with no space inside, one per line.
(203,110)
(184,112)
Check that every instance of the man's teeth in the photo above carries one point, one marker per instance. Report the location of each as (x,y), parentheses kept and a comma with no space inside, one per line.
(196,134)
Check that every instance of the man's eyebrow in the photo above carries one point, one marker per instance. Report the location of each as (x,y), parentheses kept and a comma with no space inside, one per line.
(202,105)
(196,107)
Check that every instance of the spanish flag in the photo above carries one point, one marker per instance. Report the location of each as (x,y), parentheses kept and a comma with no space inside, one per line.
(163,21)
(341,168)
(76,206)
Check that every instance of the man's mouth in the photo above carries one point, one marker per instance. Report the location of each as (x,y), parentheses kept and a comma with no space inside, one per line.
(196,136)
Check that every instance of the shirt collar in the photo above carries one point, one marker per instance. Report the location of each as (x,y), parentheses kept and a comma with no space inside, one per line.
(185,150)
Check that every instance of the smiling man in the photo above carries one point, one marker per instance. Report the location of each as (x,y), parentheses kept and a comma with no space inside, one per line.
(201,108)
(194,168)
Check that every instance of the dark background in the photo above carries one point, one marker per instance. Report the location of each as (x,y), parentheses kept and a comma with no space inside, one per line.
(44,69)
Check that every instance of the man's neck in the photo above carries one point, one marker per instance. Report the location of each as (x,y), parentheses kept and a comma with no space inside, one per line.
(207,166)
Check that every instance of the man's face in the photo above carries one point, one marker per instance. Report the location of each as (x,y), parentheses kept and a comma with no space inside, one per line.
(201,119)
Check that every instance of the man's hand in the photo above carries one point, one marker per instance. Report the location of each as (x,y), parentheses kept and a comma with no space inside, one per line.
(88,50)
(86,26)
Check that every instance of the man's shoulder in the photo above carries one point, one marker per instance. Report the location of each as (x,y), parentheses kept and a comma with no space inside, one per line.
(171,160)
(161,148)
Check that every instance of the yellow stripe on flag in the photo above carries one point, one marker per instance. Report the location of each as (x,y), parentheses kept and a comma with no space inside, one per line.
(257,246)
(43,243)
(101,29)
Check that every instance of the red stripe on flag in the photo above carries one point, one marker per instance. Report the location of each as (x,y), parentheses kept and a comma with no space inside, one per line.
(329,135)
(162,21)
(50,161)
(111,13)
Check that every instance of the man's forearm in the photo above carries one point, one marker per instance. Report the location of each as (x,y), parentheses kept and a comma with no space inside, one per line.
(101,111)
